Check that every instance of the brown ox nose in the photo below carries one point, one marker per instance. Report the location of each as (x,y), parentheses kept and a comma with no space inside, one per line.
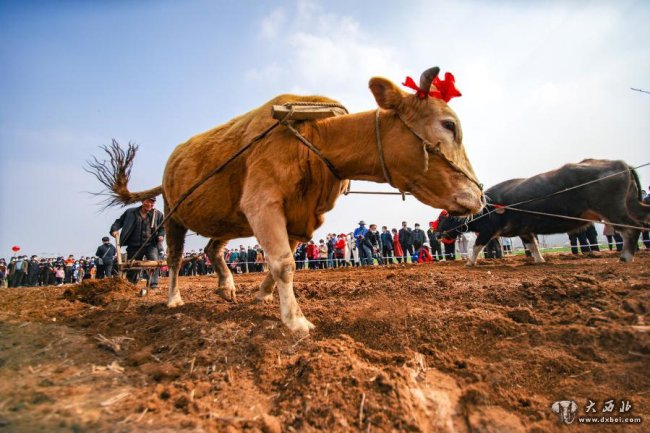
(469,201)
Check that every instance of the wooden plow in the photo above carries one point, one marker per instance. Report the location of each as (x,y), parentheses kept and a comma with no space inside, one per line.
(148,266)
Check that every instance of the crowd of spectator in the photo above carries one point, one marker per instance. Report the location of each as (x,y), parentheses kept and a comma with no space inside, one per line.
(365,246)
(34,271)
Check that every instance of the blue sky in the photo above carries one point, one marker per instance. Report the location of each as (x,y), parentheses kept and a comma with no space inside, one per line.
(544,83)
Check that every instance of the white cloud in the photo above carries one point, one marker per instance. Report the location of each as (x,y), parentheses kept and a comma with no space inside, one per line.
(325,54)
(273,24)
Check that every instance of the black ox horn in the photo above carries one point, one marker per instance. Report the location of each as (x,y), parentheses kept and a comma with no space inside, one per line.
(427,78)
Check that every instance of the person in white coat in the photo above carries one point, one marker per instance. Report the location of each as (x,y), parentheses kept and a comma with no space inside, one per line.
(354,251)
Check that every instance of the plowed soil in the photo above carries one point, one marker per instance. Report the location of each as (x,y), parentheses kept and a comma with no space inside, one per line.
(435,348)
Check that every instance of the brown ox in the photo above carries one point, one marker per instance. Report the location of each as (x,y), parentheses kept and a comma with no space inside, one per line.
(279,190)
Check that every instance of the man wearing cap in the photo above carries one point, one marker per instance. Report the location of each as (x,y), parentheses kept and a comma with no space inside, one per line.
(365,254)
(105,255)
(142,231)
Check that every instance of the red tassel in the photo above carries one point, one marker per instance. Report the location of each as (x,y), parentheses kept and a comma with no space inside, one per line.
(445,89)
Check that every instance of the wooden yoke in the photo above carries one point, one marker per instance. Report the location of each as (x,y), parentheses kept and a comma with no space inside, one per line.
(305,112)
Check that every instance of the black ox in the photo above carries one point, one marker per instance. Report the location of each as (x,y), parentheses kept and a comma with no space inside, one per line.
(615,199)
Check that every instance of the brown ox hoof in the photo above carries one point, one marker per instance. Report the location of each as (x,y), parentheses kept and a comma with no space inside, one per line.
(299,325)
(263,298)
(228,293)
(175,302)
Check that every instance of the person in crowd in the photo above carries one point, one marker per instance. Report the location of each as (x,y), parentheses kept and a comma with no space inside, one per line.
(507,246)
(614,239)
(418,237)
(342,250)
(354,251)
(463,243)
(201,268)
(47,273)
(331,242)
(105,255)
(448,242)
(579,236)
(59,274)
(33,271)
(69,265)
(142,232)
(386,245)
(406,240)
(301,255)
(252,259)
(592,237)
(3,273)
(424,256)
(259,258)
(397,247)
(365,253)
(493,249)
(372,241)
(233,259)
(312,255)
(449,245)
(18,272)
(322,254)
(434,243)
(11,271)
(81,272)
(243,259)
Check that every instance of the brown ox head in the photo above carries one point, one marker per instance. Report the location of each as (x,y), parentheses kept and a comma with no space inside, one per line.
(438,173)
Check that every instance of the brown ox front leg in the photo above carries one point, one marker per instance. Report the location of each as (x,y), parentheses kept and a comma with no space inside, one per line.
(269,225)
(265,294)
(226,288)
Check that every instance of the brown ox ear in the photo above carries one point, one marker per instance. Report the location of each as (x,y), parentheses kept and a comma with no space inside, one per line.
(387,94)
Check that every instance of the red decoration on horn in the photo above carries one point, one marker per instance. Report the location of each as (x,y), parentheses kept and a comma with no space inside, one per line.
(444,89)
(15,248)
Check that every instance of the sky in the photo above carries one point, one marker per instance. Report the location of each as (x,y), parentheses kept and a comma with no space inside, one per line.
(544,83)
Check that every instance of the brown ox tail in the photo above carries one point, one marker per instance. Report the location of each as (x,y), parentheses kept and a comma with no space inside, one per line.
(115,173)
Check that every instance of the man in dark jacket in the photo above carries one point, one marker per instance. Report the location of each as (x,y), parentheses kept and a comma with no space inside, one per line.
(251,257)
(386,244)
(406,241)
(373,241)
(105,256)
(33,271)
(418,237)
(142,231)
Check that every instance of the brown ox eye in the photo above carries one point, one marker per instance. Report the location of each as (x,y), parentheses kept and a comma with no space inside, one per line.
(451,126)
(448,124)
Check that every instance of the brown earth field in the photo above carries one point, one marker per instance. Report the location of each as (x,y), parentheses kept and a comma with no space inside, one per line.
(419,348)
